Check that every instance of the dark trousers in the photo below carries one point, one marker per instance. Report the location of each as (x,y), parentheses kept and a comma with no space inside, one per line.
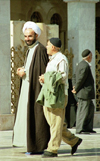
(85,115)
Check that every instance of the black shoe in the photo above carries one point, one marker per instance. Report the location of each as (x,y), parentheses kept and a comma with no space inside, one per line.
(92,131)
(48,154)
(83,132)
(74,148)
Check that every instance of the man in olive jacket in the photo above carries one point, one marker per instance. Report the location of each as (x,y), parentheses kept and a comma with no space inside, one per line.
(55,114)
(83,87)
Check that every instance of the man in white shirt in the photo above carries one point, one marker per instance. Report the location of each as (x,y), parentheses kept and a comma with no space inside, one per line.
(55,116)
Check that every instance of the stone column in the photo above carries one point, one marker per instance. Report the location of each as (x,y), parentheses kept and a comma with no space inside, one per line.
(81,32)
(5,68)
(81,28)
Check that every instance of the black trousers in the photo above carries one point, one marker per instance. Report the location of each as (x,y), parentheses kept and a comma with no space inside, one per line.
(84,116)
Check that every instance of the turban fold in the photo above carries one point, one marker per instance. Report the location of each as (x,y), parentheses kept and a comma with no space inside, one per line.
(32,25)
(56,42)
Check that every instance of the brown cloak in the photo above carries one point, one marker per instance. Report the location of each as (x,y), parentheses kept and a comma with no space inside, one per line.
(38,132)
(37,128)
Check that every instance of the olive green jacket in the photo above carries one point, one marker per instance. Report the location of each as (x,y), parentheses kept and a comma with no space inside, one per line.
(52,92)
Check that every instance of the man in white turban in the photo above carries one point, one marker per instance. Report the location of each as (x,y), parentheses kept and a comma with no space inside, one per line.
(32,25)
(31,129)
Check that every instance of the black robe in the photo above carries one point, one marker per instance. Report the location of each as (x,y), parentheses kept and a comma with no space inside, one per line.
(37,128)
(38,133)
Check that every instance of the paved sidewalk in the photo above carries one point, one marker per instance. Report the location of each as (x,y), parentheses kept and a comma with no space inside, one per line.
(89,150)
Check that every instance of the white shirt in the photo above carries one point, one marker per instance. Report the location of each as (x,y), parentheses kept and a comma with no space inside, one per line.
(88,63)
(58,62)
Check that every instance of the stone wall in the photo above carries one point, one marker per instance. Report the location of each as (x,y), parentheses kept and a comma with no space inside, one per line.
(23,9)
(17,37)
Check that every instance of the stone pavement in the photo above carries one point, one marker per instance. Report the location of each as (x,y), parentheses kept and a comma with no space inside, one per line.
(89,150)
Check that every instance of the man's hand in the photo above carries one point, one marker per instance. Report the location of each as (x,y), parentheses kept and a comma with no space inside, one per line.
(20,72)
(73,91)
(41,78)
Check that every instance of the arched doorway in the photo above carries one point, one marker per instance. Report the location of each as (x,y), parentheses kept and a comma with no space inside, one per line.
(56,19)
(36,17)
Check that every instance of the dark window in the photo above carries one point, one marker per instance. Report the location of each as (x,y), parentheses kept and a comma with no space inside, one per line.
(36,17)
(56,19)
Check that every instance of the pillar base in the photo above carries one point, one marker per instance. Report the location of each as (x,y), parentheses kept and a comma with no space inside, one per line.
(97,120)
(6,121)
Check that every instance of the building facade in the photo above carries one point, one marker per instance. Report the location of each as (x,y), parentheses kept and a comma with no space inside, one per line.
(79,28)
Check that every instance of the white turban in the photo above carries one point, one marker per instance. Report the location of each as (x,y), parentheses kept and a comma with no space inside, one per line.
(32,25)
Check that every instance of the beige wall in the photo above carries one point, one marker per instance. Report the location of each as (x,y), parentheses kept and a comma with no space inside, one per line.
(17,37)
(23,9)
